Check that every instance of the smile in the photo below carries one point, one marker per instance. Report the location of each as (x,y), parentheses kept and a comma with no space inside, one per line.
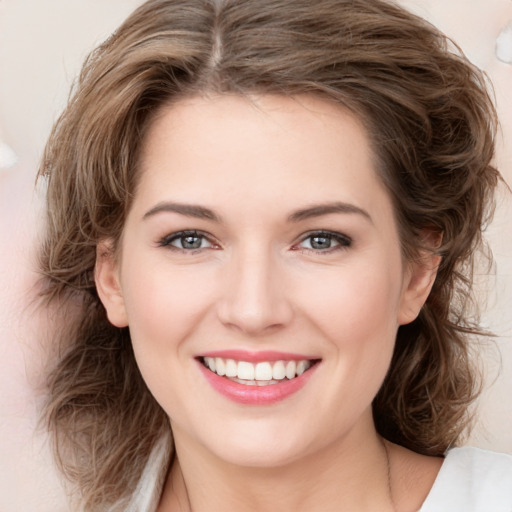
(263,373)
(267,378)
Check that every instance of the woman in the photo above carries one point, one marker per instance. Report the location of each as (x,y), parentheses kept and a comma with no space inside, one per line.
(266,215)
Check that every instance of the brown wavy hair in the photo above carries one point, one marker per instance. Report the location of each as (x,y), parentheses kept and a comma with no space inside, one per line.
(432,126)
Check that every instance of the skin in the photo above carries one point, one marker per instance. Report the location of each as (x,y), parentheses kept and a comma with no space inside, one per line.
(258,282)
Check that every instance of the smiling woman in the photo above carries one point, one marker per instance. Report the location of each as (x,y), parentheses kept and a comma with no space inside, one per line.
(217,303)
(267,213)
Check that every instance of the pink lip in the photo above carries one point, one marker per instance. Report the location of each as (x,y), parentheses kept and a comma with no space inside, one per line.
(257,357)
(256,395)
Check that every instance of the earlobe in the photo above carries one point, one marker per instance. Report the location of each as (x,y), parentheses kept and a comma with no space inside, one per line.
(419,281)
(106,275)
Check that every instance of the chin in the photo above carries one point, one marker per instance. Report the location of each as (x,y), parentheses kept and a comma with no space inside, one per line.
(261,457)
(261,446)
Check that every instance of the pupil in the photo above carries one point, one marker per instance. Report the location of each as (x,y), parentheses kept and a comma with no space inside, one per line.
(191,242)
(321,242)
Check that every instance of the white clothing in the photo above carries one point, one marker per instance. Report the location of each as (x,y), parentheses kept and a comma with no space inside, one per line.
(470,480)
(146,496)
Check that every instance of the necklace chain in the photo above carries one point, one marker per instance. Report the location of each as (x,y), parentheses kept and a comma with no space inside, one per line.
(388,464)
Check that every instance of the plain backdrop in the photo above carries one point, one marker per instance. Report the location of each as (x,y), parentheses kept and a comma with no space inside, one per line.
(42,44)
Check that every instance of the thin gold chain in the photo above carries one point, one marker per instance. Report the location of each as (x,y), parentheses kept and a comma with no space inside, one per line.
(390,482)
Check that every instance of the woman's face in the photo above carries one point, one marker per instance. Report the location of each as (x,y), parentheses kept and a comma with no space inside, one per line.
(261,243)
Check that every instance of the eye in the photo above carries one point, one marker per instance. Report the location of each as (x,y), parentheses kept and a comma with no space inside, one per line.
(324,241)
(186,241)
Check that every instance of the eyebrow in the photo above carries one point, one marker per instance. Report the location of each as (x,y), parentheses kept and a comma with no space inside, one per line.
(319,210)
(189,210)
(201,212)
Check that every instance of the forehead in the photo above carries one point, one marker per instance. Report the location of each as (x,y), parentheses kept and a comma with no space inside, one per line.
(269,150)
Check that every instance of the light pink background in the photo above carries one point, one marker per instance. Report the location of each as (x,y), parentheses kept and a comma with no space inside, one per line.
(41,47)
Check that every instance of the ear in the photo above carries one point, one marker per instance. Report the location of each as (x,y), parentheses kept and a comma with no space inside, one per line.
(106,276)
(418,282)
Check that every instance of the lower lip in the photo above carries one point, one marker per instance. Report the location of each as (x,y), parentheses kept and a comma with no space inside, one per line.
(256,395)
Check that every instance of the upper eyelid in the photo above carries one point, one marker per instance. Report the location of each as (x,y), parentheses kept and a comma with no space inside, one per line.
(167,239)
(319,232)
(343,242)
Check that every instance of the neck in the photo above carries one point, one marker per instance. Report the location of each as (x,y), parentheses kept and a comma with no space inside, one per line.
(354,475)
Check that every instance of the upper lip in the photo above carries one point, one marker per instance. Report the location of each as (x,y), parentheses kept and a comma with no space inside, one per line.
(257,356)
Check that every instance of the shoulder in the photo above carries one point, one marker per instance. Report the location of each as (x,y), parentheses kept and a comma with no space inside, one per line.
(472,480)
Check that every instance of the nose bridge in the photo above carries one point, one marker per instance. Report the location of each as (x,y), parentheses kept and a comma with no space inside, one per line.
(254,298)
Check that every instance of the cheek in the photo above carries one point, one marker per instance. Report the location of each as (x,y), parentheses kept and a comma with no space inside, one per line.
(357,314)
(357,301)
(358,319)
(165,304)
(164,311)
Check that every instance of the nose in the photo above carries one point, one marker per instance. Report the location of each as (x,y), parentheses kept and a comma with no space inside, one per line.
(255,301)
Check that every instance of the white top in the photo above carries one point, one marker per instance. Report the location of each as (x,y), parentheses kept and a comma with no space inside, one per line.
(470,480)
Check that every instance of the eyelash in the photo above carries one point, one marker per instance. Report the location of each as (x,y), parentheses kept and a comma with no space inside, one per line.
(343,242)
(167,241)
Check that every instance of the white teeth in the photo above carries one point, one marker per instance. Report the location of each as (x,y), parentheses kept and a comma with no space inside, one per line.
(261,374)
(290,369)
(245,370)
(302,366)
(256,382)
(210,362)
(220,366)
(231,368)
(278,371)
(263,371)
(266,382)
